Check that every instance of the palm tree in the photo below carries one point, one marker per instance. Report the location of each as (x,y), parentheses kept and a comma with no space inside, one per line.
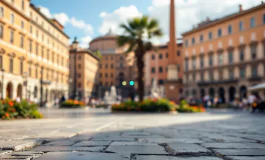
(137,35)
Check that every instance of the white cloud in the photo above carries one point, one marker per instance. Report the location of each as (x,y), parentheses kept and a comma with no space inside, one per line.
(81,25)
(118,16)
(192,12)
(85,41)
(64,19)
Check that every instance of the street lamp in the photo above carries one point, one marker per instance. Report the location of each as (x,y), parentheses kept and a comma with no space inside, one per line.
(74,48)
(3,71)
(25,76)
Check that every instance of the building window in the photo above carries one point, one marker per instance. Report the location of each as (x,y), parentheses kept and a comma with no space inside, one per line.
(202,61)
(241,26)
(153,70)
(100,75)
(37,49)
(242,73)
(252,22)
(254,71)
(201,38)
(210,60)
(1,12)
(211,76)
(22,41)
(230,57)
(194,63)
(230,30)
(264,50)
(1,62)
(161,82)
(22,24)
(219,32)
(231,74)
(106,75)
(79,66)
(11,65)
(79,57)
(23,5)
(253,52)
(186,43)
(79,75)
(242,55)
(48,54)
(178,53)
(166,55)
(202,77)
(153,57)
(11,36)
(193,77)
(220,59)
(186,64)
(42,52)
(12,18)
(263,18)
(111,66)
(160,69)
(193,40)
(36,72)
(178,68)
(160,56)
(31,29)
(210,35)
(21,67)
(1,32)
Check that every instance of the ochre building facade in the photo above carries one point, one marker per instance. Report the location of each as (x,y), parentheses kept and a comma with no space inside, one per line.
(33,53)
(224,57)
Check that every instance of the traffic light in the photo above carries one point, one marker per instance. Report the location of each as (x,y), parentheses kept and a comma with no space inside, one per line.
(131,83)
(124,83)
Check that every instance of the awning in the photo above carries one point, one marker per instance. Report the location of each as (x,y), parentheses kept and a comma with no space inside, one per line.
(257,87)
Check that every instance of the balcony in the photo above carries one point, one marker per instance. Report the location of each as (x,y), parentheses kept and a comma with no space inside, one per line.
(255,78)
(205,83)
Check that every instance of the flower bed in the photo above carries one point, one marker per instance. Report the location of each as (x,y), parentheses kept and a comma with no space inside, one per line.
(72,104)
(156,105)
(148,105)
(184,107)
(14,110)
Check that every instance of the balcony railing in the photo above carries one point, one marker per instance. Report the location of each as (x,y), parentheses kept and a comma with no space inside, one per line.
(213,82)
(255,78)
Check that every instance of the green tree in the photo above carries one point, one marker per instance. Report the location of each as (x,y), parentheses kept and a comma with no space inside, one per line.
(137,35)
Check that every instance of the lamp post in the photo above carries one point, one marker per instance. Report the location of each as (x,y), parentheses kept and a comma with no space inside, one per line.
(25,76)
(74,49)
(41,87)
(70,85)
(3,71)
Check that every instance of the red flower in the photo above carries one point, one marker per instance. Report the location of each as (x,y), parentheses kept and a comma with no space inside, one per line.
(11,104)
(6,114)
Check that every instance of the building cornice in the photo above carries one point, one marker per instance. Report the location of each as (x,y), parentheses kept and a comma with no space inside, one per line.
(226,18)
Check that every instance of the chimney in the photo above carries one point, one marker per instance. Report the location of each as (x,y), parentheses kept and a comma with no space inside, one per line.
(207,19)
(240,8)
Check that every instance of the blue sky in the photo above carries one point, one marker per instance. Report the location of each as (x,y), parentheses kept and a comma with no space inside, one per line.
(88,19)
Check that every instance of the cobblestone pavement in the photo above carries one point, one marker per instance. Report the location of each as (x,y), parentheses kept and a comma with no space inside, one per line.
(100,135)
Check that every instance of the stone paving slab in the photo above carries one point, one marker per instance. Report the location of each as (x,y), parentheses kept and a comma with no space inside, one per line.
(186,148)
(172,140)
(67,149)
(141,157)
(241,152)
(80,156)
(18,145)
(92,143)
(60,143)
(233,145)
(247,158)
(114,139)
(229,139)
(2,153)
(127,150)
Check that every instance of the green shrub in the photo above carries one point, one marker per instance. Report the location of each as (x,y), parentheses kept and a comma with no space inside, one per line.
(13,110)
(148,105)
(72,104)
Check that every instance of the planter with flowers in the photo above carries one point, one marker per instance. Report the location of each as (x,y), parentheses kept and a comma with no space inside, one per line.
(156,105)
(17,110)
(148,105)
(72,104)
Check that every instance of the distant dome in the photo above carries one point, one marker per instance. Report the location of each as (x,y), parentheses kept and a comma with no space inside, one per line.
(108,36)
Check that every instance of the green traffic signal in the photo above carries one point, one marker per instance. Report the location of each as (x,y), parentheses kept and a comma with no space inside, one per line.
(131,83)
